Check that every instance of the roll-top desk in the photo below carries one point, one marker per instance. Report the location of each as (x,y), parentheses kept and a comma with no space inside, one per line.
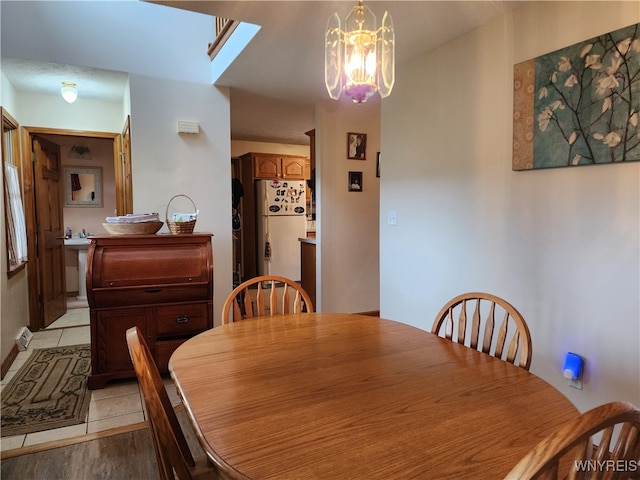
(163,284)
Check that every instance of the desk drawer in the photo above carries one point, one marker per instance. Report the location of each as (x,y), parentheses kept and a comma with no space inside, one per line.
(147,295)
(181,319)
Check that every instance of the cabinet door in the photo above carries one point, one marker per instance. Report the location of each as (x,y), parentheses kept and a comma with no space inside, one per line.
(295,168)
(164,350)
(111,327)
(266,167)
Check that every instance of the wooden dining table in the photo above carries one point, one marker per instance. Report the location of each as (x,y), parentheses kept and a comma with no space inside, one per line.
(343,396)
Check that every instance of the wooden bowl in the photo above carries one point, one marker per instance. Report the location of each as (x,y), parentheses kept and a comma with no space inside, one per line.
(143,228)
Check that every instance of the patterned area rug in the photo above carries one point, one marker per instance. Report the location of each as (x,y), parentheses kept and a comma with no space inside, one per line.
(49,391)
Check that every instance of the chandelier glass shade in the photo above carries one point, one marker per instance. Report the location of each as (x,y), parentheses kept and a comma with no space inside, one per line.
(359,59)
(69,92)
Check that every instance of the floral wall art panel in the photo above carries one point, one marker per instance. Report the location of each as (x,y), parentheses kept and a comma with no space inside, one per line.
(579,105)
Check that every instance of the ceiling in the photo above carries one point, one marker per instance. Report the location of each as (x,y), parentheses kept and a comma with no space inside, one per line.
(46,78)
(278,77)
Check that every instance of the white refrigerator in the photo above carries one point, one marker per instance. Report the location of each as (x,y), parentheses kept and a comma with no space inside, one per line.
(281,221)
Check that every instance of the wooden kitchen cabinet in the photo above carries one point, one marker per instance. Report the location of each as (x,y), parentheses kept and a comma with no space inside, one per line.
(163,284)
(267,166)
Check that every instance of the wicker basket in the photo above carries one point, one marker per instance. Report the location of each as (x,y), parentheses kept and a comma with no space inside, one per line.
(142,228)
(180,227)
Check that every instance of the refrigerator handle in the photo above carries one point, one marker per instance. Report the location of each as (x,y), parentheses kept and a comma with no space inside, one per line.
(267,242)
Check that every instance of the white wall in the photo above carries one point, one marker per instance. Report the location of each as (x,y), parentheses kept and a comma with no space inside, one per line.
(562,245)
(14,299)
(7,94)
(165,163)
(347,253)
(51,111)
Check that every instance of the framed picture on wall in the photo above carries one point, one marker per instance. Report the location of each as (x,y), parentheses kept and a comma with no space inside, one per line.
(356,146)
(355,181)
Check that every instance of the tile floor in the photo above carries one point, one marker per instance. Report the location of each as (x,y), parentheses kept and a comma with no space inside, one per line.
(116,405)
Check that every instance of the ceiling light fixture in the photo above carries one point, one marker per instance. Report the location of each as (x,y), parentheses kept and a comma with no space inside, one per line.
(360,59)
(81,152)
(69,91)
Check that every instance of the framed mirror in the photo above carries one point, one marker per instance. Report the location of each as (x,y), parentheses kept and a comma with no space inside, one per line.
(83,186)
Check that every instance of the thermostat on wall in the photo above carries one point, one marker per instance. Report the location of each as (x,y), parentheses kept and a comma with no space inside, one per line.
(188,127)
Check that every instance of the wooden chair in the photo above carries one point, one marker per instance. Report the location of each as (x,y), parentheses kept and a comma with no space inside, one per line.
(616,456)
(474,305)
(172,451)
(241,305)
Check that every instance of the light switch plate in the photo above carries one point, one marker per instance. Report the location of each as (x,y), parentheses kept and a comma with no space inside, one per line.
(392,218)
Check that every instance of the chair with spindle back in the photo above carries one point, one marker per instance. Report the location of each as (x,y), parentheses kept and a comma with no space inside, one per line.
(173,455)
(572,452)
(453,317)
(277,299)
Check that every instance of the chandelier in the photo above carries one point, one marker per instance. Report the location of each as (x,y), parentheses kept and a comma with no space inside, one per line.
(359,60)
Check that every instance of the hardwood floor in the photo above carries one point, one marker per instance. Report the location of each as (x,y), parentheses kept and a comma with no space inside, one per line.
(121,453)
(124,456)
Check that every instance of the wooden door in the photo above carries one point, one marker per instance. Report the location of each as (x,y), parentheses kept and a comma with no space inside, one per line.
(49,229)
(124,193)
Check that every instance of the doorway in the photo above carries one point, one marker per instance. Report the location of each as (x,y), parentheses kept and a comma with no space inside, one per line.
(45,197)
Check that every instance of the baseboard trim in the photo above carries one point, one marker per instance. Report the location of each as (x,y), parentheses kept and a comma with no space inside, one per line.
(6,364)
(372,313)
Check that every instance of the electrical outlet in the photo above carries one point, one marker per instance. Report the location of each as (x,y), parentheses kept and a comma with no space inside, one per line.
(392,218)
(577,383)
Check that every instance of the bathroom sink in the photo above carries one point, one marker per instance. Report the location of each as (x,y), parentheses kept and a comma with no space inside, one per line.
(77,242)
(81,245)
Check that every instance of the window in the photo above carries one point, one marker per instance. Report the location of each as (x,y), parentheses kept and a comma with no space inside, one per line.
(13,207)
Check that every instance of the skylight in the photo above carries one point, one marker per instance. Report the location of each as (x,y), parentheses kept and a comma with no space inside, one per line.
(237,41)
